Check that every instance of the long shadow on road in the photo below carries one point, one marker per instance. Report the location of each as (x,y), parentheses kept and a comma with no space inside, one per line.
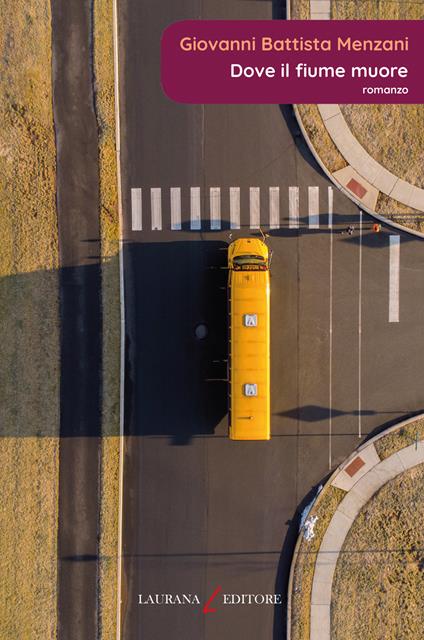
(176,346)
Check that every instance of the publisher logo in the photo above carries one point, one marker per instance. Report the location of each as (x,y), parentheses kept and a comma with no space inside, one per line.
(217,598)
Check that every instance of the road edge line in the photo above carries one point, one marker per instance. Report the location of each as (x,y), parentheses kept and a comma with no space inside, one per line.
(122,313)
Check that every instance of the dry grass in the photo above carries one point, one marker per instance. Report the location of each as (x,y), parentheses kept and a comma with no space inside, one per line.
(29,327)
(300,10)
(378,588)
(109,226)
(400,438)
(393,134)
(324,508)
(320,138)
(400,213)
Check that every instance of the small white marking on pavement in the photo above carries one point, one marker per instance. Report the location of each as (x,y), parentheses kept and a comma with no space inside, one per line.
(195,221)
(156,208)
(293,207)
(235,207)
(360,331)
(255,219)
(394,279)
(330,376)
(313,207)
(136,210)
(175,193)
(274,207)
(215,207)
(330,207)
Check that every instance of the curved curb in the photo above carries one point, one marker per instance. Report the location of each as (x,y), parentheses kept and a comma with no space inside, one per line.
(360,485)
(330,176)
(345,191)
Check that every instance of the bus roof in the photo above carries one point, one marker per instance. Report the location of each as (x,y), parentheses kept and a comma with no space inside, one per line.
(250,412)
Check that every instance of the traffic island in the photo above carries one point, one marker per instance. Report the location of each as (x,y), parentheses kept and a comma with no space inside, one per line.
(374,153)
(358,562)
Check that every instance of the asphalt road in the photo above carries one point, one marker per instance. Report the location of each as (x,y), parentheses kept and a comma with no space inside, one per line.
(80,320)
(201,511)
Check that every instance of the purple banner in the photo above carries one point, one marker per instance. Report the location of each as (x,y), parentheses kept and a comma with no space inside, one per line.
(299,61)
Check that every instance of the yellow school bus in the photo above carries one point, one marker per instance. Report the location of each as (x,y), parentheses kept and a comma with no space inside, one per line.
(249,340)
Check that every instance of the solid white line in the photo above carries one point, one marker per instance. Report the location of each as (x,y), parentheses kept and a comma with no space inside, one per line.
(313,207)
(156,208)
(255,220)
(274,207)
(122,319)
(235,207)
(175,197)
(136,210)
(215,207)
(330,392)
(394,279)
(293,207)
(195,222)
(360,331)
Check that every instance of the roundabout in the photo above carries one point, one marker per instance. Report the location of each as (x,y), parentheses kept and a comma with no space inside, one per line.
(358,563)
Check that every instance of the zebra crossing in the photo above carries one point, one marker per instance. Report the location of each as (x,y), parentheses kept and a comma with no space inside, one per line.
(156,208)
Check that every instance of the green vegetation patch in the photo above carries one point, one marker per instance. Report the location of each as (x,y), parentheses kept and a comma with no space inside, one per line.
(378,588)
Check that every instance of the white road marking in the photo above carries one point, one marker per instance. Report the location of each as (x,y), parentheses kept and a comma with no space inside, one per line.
(175,193)
(274,207)
(156,208)
(360,331)
(195,221)
(330,207)
(394,279)
(136,210)
(293,207)
(254,193)
(215,207)
(235,207)
(330,376)
(313,207)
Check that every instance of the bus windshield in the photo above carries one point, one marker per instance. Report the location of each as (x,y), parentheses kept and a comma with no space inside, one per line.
(249,262)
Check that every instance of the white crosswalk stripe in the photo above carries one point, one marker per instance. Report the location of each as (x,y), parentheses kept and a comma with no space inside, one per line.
(235,207)
(175,198)
(313,207)
(136,210)
(156,208)
(293,207)
(274,207)
(255,208)
(195,221)
(166,213)
(394,260)
(215,208)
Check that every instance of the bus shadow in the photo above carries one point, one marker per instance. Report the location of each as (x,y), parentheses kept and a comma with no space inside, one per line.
(176,338)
